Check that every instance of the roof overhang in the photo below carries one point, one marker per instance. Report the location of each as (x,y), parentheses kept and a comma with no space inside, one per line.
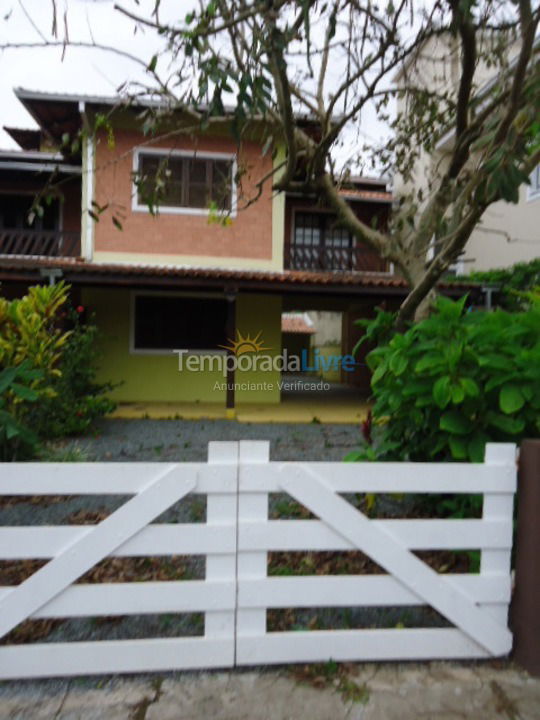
(46,167)
(77,272)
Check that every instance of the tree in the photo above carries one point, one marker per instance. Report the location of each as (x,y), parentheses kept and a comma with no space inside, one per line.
(285,61)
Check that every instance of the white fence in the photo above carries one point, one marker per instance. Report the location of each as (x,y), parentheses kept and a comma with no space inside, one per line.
(236,539)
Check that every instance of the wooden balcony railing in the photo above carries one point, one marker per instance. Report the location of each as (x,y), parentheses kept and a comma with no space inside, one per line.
(45,243)
(324,257)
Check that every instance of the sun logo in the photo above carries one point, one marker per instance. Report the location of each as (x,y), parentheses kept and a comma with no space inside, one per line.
(245,344)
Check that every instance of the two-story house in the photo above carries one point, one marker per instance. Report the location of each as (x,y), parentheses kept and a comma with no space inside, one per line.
(218,263)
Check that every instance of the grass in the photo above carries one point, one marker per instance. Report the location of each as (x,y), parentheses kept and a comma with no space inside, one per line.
(332,674)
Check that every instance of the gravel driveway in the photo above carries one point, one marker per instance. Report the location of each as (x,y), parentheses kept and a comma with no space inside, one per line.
(187,440)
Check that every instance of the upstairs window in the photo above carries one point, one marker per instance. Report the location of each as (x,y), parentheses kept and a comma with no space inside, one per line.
(15,212)
(178,182)
(318,242)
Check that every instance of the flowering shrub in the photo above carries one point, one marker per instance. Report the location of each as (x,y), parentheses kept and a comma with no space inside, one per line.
(48,372)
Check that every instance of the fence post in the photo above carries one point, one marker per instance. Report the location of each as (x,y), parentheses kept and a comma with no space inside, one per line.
(221,509)
(252,507)
(499,506)
(526,601)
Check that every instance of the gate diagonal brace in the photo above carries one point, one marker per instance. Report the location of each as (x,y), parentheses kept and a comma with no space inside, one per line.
(172,484)
(386,550)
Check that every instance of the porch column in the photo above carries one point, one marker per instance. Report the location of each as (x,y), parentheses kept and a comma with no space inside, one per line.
(230,330)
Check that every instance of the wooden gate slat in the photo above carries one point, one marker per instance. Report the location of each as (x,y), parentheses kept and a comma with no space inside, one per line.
(85,552)
(387,551)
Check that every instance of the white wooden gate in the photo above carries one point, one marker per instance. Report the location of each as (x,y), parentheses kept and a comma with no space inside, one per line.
(477,604)
(236,538)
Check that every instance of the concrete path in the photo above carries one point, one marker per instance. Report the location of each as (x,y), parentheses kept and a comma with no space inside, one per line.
(303,400)
(436,691)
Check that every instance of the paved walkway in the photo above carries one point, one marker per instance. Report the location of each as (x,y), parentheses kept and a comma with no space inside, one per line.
(433,691)
(300,404)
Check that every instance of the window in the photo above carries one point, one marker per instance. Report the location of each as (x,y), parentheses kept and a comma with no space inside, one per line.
(183,183)
(534,187)
(320,243)
(169,322)
(15,210)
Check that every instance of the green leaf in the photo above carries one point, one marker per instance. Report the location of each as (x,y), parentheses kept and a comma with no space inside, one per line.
(441,391)
(470,387)
(458,394)
(511,399)
(455,423)
(12,430)
(416,388)
(23,392)
(6,378)
(152,64)
(428,362)
(509,425)
(477,447)
(458,447)
(354,456)
(398,363)
(378,374)
(498,380)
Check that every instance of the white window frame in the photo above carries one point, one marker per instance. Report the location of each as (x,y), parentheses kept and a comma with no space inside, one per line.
(166,351)
(169,152)
(533,190)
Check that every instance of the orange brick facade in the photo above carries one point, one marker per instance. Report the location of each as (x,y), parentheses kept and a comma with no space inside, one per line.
(249,235)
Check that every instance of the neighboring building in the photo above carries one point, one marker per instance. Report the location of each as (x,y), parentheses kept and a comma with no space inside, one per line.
(508,233)
(183,279)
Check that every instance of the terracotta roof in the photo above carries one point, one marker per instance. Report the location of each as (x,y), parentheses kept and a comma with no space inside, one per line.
(85,272)
(296,323)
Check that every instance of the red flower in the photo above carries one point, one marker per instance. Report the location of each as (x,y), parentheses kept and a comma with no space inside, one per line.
(366,427)
(80,308)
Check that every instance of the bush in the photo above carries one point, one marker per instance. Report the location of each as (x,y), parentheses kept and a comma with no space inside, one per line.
(455,381)
(513,283)
(47,374)
(78,400)
(29,331)
(17,440)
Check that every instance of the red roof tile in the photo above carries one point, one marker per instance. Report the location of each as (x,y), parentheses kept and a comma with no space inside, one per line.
(352,194)
(296,323)
(76,267)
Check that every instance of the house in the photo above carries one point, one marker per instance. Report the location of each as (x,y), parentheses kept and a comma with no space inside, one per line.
(508,233)
(188,297)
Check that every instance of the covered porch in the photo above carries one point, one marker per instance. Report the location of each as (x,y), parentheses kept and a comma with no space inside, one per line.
(205,314)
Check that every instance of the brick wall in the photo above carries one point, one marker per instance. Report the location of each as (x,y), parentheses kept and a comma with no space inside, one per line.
(249,236)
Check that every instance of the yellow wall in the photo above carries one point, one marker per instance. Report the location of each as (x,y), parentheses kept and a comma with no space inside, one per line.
(155,378)
(330,375)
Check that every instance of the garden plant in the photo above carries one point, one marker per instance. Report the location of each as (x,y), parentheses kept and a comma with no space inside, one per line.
(47,371)
(453,382)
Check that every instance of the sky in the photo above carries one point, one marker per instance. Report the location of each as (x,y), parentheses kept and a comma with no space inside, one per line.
(82,71)
(86,71)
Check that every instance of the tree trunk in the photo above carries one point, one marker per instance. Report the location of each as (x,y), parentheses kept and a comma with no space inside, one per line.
(417,305)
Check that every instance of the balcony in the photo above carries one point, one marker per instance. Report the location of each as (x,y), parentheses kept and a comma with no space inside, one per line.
(44,243)
(299,256)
